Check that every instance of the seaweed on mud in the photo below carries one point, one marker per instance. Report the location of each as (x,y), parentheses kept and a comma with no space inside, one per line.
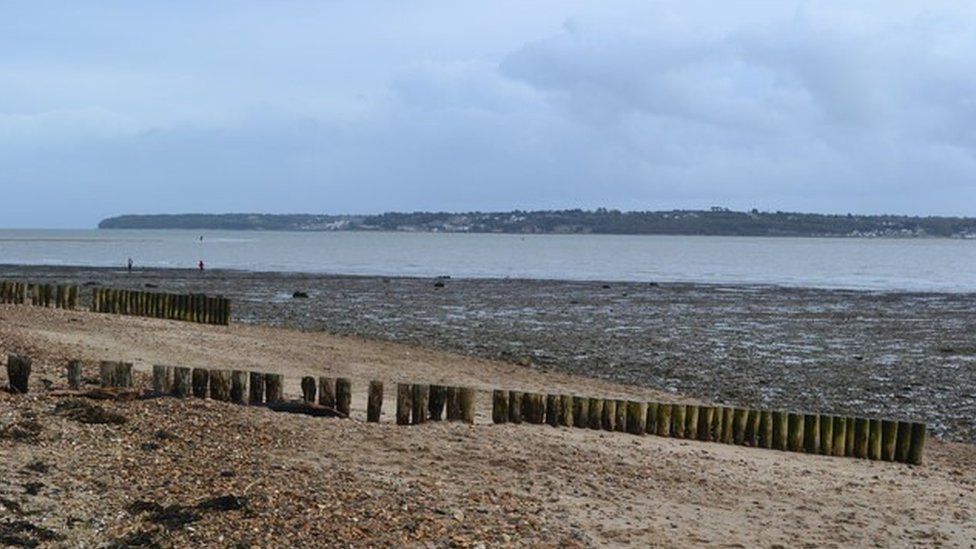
(28,430)
(176,516)
(85,412)
(139,538)
(20,533)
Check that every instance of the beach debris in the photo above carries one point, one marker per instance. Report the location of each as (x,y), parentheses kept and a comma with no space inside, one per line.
(439,284)
(21,533)
(85,412)
(27,430)
(299,295)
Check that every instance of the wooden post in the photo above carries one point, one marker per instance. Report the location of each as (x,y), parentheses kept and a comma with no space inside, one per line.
(637,417)
(552,410)
(499,406)
(374,402)
(663,420)
(453,404)
(874,439)
(839,444)
(917,446)
(162,379)
(106,374)
(255,389)
(404,404)
(327,396)
(608,418)
(515,407)
(308,389)
(343,396)
(220,385)
(274,390)
(903,441)
(752,428)
(238,387)
(849,442)
(826,435)
(18,372)
(795,432)
(889,436)
(691,421)
(811,433)
(420,395)
(181,382)
(595,414)
(650,418)
(581,411)
(706,417)
(780,430)
(201,379)
(438,399)
(566,410)
(740,418)
(620,421)
(765,429)
(466,395)
(861,437)
(74,374)
(678,420)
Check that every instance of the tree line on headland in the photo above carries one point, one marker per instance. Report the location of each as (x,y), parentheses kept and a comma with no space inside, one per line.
(713,222)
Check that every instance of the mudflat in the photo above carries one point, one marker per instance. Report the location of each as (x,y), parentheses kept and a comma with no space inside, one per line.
(897,355)
(178,472)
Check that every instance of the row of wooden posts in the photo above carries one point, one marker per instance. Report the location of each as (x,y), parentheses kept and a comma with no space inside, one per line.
(61,296)
(189,307)
(860,437)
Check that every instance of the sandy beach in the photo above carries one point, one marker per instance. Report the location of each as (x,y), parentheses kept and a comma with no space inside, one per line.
(193,471)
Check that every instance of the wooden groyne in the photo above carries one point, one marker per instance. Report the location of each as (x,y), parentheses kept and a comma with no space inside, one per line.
(187,307)
(60,296)
(419,403)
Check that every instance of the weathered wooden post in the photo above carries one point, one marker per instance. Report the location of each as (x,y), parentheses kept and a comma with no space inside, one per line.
(106,371)
(327,395)
(691,421)
(664,419)
(238,387)
(740,418)
(594,413)
(255,391)
(650,418)
(889,437)
(620,416)
(343,396)
(581,411)
(437,402)
(566,410)
(766,429)
(374,402)
(515,407)
(608,414)
(678,420)
(181,382)
(839,444)
(18,372)
(826,435)
(162,377)
(74,374)
(274,388)
(780,430)
(917,446)
(308,389)
(420,396)
(499,406)
(811,433)
(466,395)
(534,408)
(404,403)
(874,439)
(553,410)
(201,381)
(903,441)
(861,428)
(454,404)
(220,385)
(795,432)
(636,417)
(728,425)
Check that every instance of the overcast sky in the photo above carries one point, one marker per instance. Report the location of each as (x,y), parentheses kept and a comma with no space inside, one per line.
(359,107)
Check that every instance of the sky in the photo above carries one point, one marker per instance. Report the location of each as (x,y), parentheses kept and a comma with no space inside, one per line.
(365,106)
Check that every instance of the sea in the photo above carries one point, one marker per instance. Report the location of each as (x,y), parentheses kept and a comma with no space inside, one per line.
(924,265)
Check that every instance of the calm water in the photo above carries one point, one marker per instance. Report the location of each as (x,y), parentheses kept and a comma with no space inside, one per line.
(883,264)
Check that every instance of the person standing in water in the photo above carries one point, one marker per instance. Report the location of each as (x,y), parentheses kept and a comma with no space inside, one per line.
(200,265)
(130,265)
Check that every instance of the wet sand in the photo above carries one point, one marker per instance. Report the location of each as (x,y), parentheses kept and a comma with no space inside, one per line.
(898,355)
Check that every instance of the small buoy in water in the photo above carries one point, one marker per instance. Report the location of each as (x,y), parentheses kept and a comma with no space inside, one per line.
(299,295)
